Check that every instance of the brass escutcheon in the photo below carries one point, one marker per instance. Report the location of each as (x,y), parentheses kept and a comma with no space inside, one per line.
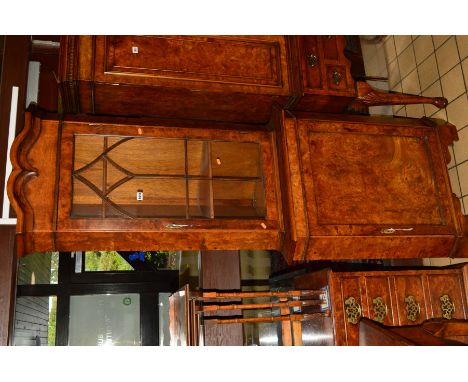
(413,310)
(447,306)
(380,309)
(353,310)
(337,77)
(312,60)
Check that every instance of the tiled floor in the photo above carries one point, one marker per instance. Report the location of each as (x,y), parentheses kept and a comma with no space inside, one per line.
(431,66)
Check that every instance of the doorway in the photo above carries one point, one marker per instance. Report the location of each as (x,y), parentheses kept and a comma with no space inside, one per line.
(86,303)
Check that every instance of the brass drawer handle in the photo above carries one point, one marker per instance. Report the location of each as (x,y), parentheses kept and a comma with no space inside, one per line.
(413,309)
(337,77)
(393,230)
(447,306)
(380,309)
(312,60)
(353,310)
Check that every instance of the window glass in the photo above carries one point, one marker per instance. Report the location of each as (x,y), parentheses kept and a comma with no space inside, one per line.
(35,321)
(105,320)
(38,268)
(105,261)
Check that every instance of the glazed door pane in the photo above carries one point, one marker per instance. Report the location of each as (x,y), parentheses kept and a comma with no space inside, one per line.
(144,177)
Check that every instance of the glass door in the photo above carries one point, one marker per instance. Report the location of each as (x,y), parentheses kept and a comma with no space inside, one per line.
(105,320)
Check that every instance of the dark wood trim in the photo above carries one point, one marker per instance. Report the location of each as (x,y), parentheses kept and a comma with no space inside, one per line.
(65,271)
(149,319)
(246,283)
(37,290)
(220,271)
(165,279)
(7,282)
(62,320)
(14,73)
(114,288)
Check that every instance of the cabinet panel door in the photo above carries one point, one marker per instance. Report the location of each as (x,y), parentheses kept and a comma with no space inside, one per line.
(191,62)
(366,179)
(379,299)
(447,296)
(410,300)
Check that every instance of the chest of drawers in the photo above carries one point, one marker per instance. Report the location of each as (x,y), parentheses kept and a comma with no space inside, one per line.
(394,298)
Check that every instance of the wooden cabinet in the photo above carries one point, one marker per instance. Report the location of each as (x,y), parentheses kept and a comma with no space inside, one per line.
(217,78)
(357,187)
(226,78)
(345,187)
(135,185)
(393,298)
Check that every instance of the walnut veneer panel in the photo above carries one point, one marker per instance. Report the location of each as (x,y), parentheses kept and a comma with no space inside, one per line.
(235,60)
(226,78)
(394,184)
(450,285)
(360,187)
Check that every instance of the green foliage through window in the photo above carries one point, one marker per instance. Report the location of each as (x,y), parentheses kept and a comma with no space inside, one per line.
(105,261)
(52,321)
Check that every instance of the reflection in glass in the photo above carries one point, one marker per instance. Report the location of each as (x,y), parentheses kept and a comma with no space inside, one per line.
(35,321)
(105,261)
(38,268)
(105,320)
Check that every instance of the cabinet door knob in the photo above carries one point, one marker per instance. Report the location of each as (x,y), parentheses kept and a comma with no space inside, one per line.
(413,309)
(447,306)
(353,310)
(337,77)
(312,60)
(380,309)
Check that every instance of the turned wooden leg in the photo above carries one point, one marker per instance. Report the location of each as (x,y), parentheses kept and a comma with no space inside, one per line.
(368,96)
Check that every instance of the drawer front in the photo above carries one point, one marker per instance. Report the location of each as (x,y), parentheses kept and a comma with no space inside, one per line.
(379,300)
(410,301)
(447,298)
(348,309)
(311,63)
(330,48)
(228,60)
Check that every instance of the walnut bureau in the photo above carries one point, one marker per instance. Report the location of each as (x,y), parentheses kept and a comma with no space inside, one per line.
(393,298)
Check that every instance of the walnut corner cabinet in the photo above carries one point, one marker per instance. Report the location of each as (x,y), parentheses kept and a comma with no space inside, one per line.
(367,188)
(314,186)
(97,184)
